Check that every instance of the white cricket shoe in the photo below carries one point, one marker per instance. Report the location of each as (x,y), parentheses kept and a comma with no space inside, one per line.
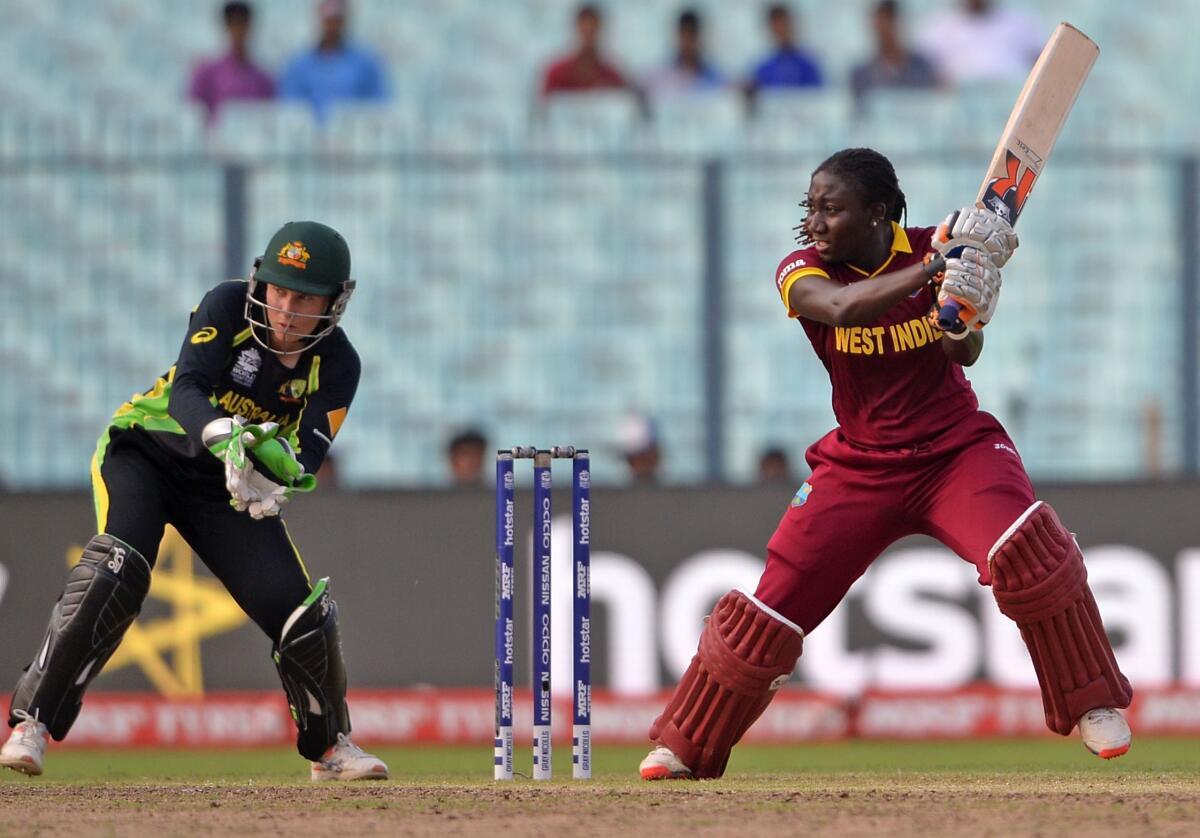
(1105,732)
(347,761)
(662,764)
(25,746)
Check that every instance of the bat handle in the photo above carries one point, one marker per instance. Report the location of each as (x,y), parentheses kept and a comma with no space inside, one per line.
(948,318)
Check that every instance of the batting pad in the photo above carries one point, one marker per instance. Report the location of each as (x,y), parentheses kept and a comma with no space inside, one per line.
(746,653)
(1040,582)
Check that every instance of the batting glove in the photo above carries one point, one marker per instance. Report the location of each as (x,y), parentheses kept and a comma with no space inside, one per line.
(973,281)
(977,228)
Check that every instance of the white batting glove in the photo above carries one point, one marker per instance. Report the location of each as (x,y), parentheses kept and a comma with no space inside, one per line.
(978,228)
(973,281)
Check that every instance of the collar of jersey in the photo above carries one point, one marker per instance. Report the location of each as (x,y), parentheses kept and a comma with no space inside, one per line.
(900,244)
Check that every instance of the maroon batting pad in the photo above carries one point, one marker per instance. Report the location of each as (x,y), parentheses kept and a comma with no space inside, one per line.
(1040,582)
(745,655)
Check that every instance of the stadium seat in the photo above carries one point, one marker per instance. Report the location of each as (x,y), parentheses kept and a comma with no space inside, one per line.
(500,239)
(257,130)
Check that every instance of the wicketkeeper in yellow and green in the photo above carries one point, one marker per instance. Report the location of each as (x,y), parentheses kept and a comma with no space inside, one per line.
(215,448)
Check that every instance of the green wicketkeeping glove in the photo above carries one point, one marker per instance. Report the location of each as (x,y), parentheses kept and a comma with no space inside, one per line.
(274,457)
(223,437)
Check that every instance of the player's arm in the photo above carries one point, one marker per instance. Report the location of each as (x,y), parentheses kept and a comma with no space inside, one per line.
(817,297)
(206,350)
(966,351)
(326,407)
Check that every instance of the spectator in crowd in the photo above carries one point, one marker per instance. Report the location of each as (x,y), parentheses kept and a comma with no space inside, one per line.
(234,75)
(689,70)
(585,69)
(774,466)
(894,64)
(788,65)
(465,455)
(982,43)
(335,69)
(637,440)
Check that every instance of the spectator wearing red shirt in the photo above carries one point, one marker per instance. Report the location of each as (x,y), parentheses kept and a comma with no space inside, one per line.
(233,75)
(585,69)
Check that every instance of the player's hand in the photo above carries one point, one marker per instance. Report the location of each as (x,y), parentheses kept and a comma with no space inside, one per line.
(274,457)
(254,493)
(978,228)
(261,470)
(223,438)
(973,281)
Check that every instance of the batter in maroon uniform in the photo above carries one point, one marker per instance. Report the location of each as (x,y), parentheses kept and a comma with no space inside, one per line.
(912,453)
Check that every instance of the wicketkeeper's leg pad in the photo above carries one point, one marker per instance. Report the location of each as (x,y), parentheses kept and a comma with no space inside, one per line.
(309,660)
(747,651)
(1040,582)
(101,598)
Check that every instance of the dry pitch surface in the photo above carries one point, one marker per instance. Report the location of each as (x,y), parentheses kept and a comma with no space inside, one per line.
(1050,788)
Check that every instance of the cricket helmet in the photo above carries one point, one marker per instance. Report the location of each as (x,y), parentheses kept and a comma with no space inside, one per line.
(303,256)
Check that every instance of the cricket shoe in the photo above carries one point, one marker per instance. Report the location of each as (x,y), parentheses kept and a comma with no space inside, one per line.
(662,764)
(26,745)
(346,761)
(1105,732)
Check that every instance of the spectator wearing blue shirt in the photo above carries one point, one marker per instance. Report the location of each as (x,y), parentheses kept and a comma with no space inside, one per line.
(689,70)
(334,70)
(788,66)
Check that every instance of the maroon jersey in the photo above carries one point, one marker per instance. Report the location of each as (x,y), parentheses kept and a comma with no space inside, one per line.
(893,386)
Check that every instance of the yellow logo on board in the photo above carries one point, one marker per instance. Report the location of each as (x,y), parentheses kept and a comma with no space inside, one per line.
(204,335)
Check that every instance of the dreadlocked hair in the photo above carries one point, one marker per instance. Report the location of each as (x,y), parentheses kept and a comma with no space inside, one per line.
(872,176)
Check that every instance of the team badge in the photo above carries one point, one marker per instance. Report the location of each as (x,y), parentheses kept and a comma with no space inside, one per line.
(801,497)
(294,254)
(293,391)
(204,335)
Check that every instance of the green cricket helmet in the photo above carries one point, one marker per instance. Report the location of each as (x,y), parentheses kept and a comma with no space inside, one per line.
(303,256)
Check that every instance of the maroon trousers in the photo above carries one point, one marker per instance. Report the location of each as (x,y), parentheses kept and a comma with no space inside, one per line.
(964,489)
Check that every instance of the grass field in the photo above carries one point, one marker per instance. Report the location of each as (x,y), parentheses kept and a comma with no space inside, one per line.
(1003,787)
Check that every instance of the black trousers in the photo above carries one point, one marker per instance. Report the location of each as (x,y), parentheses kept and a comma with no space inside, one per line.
(139,488)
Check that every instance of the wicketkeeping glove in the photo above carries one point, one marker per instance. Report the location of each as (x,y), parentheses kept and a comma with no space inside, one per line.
(978,228)
(273,456)
(261,471)
(222,437)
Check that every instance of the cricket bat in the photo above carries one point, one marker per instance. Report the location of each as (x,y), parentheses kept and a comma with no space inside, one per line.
(1033,127)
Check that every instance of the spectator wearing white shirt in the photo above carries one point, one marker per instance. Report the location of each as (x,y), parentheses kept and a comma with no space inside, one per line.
(980,43)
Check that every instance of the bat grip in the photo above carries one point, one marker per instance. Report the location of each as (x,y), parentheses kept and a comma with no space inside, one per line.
(948,318)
